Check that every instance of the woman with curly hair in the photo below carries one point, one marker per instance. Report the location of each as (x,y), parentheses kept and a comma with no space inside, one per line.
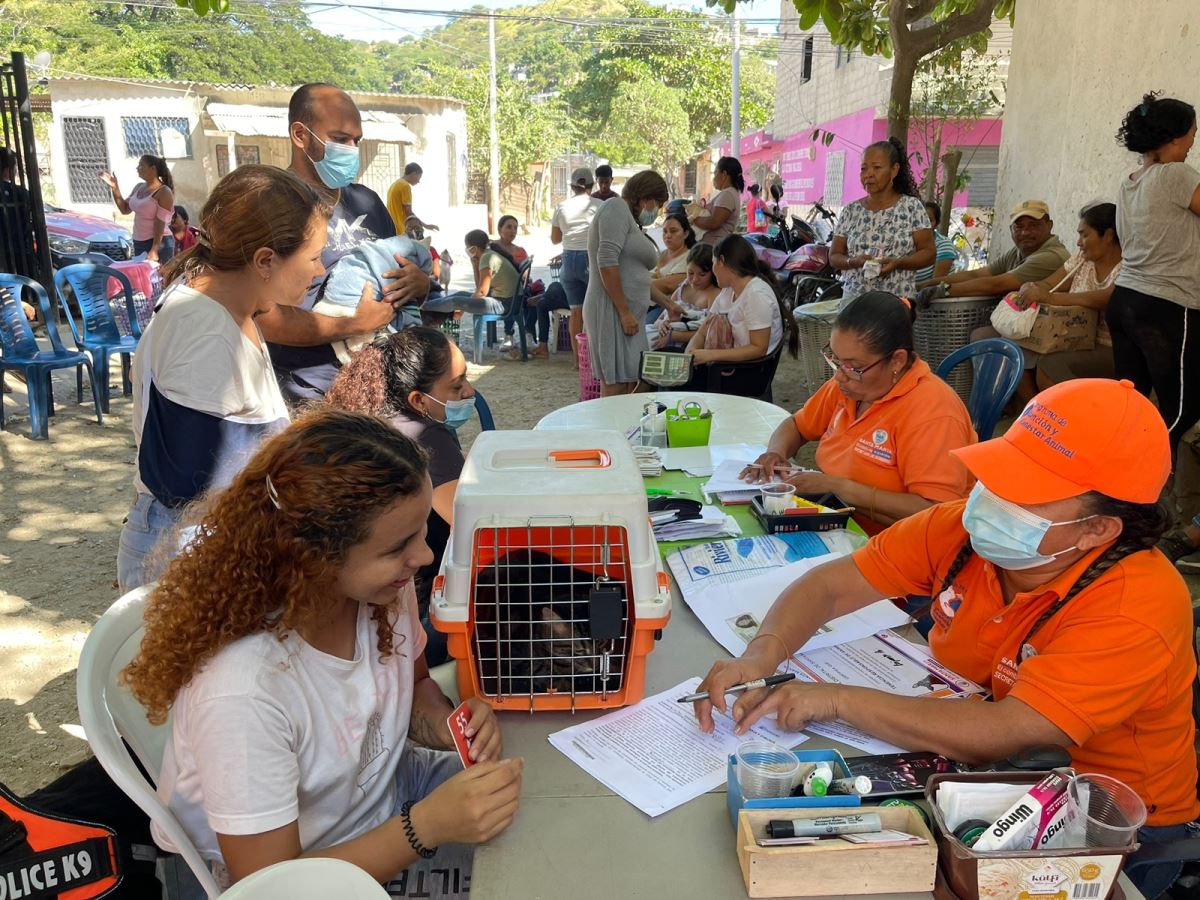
(205,394)
(1047,590)
(417,380)
(286,647)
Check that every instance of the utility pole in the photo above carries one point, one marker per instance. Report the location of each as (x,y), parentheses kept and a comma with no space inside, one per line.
(735,119)
(493,134)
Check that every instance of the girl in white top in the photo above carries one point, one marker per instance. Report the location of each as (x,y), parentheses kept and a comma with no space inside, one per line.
(285,643)
(671,271)
(725,205)
(205,393)
(749,301)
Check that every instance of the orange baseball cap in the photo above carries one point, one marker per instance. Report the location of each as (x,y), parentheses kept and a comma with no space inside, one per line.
(1090,434)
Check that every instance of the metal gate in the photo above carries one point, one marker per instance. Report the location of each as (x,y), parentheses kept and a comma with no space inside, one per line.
(24,246)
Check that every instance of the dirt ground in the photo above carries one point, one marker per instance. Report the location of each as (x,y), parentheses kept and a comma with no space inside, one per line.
(61,506)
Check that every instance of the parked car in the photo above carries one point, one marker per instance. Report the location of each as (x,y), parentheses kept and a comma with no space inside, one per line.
(74,233)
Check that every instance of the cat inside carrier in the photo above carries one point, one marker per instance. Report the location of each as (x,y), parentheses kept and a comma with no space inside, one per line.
(551,590)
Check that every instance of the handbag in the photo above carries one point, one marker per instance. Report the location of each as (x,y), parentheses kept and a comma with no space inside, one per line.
(1015,323)
(719,334)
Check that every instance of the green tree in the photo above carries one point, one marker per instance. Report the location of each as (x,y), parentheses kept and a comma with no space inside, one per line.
(691,55)
(647,124)
(906,30)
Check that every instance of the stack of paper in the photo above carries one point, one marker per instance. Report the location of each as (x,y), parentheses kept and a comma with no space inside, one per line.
(648,460)
(712,524)
(726,483)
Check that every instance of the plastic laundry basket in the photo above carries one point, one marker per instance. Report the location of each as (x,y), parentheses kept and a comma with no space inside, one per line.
(947,325)
(589,384)
(814,324)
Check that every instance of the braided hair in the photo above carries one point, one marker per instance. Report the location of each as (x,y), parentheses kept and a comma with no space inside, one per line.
(1142,525)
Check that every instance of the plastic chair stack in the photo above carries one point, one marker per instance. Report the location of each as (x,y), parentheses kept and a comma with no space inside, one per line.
(22,354)
(514,313)
(97,332)
(999,365)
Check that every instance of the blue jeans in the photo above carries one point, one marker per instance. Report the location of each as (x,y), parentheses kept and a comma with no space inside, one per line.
(574,276)
(1153,880)
(554,298)
(467,302)
(139,561)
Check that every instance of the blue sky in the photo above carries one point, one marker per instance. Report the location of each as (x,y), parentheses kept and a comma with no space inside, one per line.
(334,16)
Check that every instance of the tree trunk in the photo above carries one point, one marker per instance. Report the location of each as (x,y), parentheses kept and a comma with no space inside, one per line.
(904,69)
(952,161)
(935,154)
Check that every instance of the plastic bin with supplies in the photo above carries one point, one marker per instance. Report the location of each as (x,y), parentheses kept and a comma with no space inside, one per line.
(737,802)
(1075,874)
(814,325)
(551,589)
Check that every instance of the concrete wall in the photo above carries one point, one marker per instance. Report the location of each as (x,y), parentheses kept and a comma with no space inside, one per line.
(1077,67)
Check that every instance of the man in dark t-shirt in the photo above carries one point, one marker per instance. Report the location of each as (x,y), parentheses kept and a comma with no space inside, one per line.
(325,129)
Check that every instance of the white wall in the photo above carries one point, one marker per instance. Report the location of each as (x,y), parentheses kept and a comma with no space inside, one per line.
(1077,67)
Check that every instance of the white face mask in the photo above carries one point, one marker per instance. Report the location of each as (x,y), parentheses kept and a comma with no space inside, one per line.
(1008,535)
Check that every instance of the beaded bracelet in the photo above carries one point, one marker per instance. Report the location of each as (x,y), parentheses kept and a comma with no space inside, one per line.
(410,833)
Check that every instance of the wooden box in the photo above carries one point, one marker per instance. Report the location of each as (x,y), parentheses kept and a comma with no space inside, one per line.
(1060,328)
(835,868)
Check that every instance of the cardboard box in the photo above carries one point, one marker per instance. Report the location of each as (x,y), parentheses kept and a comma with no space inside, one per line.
(1059,328)
(1088,874)
(835,868)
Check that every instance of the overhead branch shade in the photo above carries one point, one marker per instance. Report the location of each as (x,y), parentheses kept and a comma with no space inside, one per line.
(271,121)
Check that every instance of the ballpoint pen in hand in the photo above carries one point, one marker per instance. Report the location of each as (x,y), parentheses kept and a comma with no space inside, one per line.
(769,681)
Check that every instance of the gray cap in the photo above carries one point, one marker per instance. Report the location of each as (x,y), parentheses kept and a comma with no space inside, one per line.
(582,177)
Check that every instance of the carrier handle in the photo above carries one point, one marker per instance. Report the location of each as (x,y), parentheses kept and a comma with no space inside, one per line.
(581,459)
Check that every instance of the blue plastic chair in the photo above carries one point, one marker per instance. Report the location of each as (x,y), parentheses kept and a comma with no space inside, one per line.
(22,353)
(999,365)
(97,332)
(486,422)
(514,313)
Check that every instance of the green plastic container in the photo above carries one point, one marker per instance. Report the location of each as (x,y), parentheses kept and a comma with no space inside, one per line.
(689,424)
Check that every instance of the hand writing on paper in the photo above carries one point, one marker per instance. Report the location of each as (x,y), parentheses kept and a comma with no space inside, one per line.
(764,468)
(725,674)
(794,705)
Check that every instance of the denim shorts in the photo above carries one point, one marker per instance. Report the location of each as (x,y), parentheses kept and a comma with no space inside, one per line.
(138,560)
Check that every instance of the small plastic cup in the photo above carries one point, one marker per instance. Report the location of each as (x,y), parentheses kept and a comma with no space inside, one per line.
(777,498)
(765,770)
(1107,812)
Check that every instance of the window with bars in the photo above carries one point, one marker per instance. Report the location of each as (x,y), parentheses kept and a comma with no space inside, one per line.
(87,156)
(806,65)
(689,179)
(835,172)
(165,136)
(246,154)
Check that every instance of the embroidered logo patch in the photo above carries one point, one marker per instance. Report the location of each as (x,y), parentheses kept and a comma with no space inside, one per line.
(879,437)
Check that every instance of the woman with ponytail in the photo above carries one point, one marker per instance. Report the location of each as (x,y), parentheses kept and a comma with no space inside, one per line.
(882,240)
(724,208)
(1047,590)
(205,394)
(747,306)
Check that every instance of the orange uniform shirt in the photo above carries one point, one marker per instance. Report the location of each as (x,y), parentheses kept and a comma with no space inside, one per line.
(902,442)
(1113,668)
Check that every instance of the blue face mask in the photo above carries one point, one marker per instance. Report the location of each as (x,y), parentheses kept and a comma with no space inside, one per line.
(458,412)
(339,166)
(1005,534)
(648,216)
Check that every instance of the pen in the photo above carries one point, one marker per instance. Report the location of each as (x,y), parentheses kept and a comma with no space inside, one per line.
(664,492)
(770,681)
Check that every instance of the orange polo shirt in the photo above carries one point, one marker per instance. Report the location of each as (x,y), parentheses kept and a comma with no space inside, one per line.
(1113,668)
(902,442)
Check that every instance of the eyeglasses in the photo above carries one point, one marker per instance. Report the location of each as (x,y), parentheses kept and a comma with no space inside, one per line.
(849,371)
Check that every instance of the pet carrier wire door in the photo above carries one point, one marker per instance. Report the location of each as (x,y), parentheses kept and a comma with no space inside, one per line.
(551,590)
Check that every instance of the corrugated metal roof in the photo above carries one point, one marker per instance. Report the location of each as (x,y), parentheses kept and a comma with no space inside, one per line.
(271,121)
(200,85)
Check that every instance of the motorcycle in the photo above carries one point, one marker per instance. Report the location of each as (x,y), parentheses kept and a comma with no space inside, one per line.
(806,269)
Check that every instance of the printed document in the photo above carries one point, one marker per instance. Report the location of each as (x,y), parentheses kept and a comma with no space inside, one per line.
(654,755)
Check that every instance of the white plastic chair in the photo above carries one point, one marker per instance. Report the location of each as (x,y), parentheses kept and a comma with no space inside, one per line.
(308,879)
(109,712)
(445,676)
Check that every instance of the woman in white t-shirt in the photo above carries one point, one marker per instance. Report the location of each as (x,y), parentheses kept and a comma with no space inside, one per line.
(720,218)
(205,393)
(748,302)
(1154,313)
(286,647)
